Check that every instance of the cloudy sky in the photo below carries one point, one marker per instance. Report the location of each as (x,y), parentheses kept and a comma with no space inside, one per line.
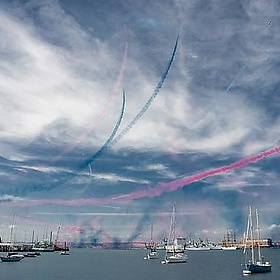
(113,111)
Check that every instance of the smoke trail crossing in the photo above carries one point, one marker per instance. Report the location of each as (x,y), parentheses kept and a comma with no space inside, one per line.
(109,140)
(87,163)
(151,99)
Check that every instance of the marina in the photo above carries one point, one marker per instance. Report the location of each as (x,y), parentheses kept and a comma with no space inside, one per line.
(129,264)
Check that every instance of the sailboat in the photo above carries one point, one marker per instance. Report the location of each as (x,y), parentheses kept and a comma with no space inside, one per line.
(12,256)
(152,248)
(254,261)
(174,251)
(65,250)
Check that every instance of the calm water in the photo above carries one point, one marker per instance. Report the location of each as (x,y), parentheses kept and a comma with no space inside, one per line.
(84,264)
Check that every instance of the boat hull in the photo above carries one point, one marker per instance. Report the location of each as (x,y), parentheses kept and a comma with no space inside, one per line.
(11,258)
(30,255)
(177,258)
(257,268)
(65,253)
(232,248)
(198,248)
(153,255)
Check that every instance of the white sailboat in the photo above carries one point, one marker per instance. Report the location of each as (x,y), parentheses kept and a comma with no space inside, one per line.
(174,251)
(254,263)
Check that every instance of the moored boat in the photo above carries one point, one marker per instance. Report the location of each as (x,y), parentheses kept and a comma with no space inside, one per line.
(252,264)
(152,255)
(193,248)
(65,250)
(151,246)
(31,255)
(44,247)
(229,248)
(175,258)
(12,257)
(174,253)
(64,253)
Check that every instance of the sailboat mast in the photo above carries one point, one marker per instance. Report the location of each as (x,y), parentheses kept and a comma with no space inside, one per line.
(171,236)
(151,232)
(174,224)
(12,230)
(32,238)
(246,238)
(251,233)
(259,236)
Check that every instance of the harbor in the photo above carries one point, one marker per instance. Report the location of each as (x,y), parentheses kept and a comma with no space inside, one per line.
(88,263)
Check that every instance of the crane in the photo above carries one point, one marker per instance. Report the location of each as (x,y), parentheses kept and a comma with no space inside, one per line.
(56,247)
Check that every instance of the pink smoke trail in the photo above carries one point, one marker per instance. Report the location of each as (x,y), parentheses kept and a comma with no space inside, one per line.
(33,223)
(151,192)
(198,177)
(115,90)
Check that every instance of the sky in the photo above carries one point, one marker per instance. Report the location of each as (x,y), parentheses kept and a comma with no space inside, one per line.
(112,111)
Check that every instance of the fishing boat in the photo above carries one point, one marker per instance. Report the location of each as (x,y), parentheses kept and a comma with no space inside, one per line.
(174,252)
(254,261)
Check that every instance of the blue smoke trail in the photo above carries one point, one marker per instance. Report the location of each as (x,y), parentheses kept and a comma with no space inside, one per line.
(69,176)
(115,90)
(151,99)
(109,140)
(234,80)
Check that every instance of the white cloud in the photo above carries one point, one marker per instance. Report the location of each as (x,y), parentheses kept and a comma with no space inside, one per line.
(41,82)
(46,83)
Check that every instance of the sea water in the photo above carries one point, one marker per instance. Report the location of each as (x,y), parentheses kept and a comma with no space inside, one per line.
(97,264)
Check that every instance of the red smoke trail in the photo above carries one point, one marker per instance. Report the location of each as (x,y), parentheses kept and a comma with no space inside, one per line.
(198,177)
(151,192)
(174,185)
(116,89)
